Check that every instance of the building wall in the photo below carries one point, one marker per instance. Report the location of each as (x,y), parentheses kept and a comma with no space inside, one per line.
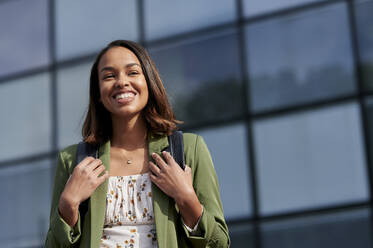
(281,91)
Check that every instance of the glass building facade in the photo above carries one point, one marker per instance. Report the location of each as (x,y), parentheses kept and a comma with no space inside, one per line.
(281,91)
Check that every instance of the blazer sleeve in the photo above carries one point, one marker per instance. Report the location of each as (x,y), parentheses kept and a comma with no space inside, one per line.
(60,234)
(212,226)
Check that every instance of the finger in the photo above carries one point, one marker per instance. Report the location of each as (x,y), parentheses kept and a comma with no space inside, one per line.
(154,179)
(169,159)
(188,170)
(94,164)
(99,170)
(154,169)
(160,162)
(85,161)
(102,178)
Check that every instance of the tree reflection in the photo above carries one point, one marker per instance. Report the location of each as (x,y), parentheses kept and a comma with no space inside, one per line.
(212,101)
(287,88)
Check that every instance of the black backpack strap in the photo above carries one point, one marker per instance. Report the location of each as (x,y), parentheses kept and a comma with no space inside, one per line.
(176,147)
(84,150)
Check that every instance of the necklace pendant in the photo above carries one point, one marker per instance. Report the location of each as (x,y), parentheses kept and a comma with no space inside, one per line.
(129,161)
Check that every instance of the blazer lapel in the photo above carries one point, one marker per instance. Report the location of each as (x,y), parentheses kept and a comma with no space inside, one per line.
(98,199)
(160,200)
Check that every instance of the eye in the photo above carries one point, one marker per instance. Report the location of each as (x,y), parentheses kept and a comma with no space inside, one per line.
(108,76)
(133,73)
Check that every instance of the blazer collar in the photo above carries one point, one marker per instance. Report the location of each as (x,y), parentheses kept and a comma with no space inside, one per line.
(156,144)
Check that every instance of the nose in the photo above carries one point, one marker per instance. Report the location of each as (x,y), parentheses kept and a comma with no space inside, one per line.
(121,83)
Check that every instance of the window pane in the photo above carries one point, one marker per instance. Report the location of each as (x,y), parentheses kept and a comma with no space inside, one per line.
(26,122)
(228,150)
(202,77)
(300,58)
(168,17)
(27,189)
(342,229)
(24,39)
(242,235)
(364,19)
(256,7)
(73,99)
(102,22)
(311,159)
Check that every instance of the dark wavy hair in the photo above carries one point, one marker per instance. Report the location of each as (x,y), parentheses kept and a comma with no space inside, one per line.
(158,114)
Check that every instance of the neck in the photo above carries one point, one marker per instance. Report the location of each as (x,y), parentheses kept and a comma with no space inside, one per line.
(129,133)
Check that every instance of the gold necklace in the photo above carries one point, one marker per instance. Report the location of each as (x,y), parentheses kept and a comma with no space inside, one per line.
(130,160)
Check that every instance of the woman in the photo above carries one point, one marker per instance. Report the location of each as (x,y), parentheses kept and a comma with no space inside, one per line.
(138,194)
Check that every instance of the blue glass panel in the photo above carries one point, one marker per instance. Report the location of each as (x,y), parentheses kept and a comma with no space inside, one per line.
(341,229)
(228,149)
(73,99)
(86,26)
(26,191)
(202,77)
(25,106)
(310,159)
(24,35)
(300,58)
(168,17)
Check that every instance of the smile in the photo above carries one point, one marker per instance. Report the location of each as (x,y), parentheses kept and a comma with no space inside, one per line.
(125,95)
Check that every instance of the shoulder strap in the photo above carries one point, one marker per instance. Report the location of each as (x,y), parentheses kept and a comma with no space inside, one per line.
(176,147)
(84,150)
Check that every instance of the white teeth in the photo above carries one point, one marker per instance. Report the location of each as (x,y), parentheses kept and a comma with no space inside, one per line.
(124,95)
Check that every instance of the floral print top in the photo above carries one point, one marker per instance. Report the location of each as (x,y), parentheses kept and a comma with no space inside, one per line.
(129,218)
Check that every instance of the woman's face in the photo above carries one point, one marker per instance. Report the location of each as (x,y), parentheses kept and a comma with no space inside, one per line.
(123,88)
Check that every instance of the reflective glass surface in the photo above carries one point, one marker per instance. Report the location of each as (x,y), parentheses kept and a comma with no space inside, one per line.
(364,21)
(202,77)
(86,26)
(168,17)
(26,191)
(341,229)
(300,58)
(24,35)
(257,7)
(241,235)
(310,159)
(73,99)
(229,151)
(25,106)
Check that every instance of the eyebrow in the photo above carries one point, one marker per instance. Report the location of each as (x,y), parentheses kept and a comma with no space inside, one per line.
(110,68)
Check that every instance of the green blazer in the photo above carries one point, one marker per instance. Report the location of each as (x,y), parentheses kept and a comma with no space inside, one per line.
(169,228)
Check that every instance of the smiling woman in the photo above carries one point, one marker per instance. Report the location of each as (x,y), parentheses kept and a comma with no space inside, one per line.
(139,196)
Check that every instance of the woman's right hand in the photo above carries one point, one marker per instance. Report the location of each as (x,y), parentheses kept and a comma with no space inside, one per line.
(82,183)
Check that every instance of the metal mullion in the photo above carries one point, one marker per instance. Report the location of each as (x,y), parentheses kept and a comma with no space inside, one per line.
(27,159)
(249,128)
(141,21)
(53,81)
(360,85)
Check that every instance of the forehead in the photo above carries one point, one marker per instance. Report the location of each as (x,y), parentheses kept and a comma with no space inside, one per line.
(118,56)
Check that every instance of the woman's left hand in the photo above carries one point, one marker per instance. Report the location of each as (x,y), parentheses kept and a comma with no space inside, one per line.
(170,178)
(178,184)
